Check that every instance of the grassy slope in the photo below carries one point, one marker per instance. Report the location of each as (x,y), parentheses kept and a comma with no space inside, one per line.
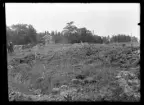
(68,63)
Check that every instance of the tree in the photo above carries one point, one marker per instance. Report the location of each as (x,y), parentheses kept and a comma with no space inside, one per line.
(105,40)
(70,28)
(134,39)
(76,35)
(22,34)
(32,34)
(69,32)
(120,38)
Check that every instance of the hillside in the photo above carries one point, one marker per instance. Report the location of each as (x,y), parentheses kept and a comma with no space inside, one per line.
(76,72)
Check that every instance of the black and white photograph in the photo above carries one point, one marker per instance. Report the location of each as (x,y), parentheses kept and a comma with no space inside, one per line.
(73,52)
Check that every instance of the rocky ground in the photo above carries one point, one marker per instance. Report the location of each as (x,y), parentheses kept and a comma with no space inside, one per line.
(78,72)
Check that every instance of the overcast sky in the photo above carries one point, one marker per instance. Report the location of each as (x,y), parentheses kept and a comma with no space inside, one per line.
(104,19)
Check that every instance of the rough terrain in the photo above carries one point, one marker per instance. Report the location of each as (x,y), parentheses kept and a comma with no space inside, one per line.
(77,72)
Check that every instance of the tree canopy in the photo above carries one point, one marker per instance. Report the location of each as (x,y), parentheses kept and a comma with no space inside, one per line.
(21,34)
(24,34)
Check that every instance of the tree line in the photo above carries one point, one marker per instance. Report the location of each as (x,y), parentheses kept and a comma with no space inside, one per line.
(21,34)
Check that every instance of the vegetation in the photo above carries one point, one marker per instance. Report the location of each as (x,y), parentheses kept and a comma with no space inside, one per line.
(79,66)
(77,72)
(24,34)
(21,34)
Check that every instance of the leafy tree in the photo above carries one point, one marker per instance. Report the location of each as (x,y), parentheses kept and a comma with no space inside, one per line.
(70,28)
(40,37)
(106,40)
(134,39)
(120,38)
(21,34)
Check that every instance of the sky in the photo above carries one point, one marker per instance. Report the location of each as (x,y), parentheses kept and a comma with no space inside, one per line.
(102,18)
